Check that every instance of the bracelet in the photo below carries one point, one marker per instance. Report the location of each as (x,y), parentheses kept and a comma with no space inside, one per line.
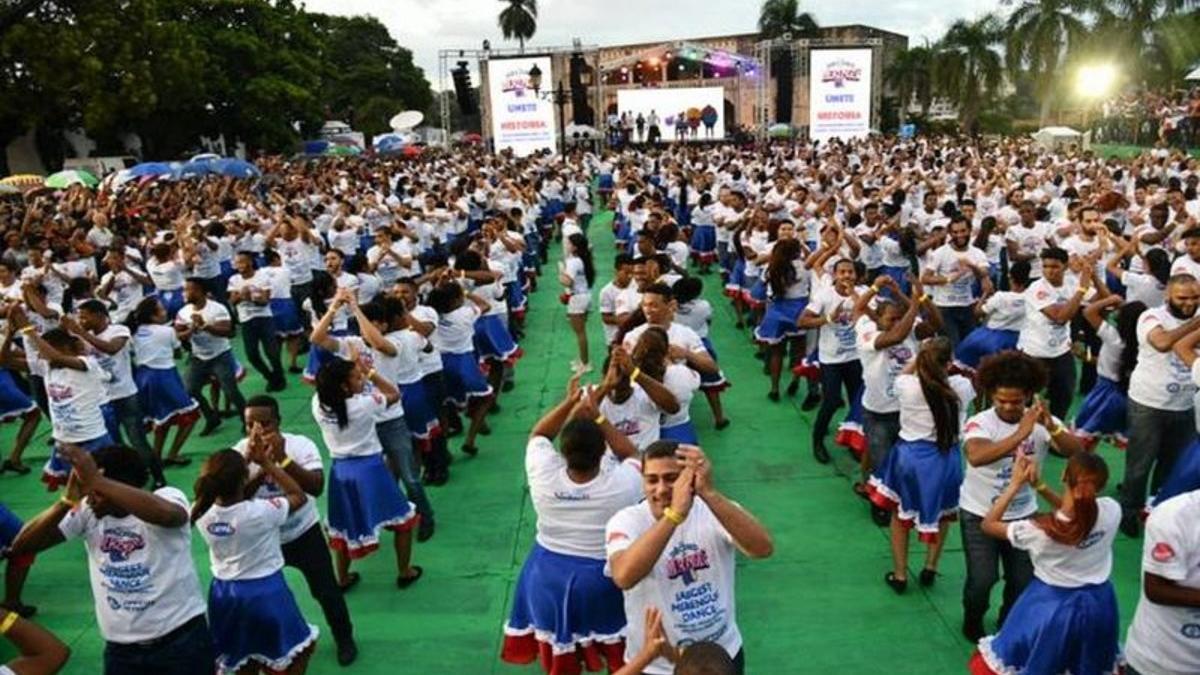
(671,515)
(1039,487)
(923,298)
(68,501)
(285,463)
(1057,430)
(372,373)
(28,329)
(634,375)
(600,419)
(8,621)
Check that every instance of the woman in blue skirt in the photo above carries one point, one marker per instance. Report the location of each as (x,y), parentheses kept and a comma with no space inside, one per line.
(252,613)
(16,404)
(1103,411)
(285,314)
(921,475)
(704,233)
(1005,315)
(324,288)
(363,498)
(464,385)
(1066,619)
(566,613)
(788,284)
(164,399)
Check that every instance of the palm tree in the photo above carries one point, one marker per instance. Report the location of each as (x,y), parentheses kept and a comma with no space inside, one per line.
(518,20)
(967,67)
(910,75)
(1041,35)
(776,19)
(1140,27)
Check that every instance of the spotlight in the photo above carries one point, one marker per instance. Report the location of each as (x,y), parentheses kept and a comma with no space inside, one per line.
(654,61)
(1095,80)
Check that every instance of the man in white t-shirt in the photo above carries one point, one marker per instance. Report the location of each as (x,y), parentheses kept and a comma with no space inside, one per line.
(250,293)
(301,538)
(1164,638)
(992,440)
(678,554)
(1027,239)
(147,596)
(207,325)
(619,298)
(951,274)
(1160,421)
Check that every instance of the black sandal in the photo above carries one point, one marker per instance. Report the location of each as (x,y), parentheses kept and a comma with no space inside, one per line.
(928,576)
(176,461)
(405,582)
(351,581)
(898,585)
(470,450)
(19,469)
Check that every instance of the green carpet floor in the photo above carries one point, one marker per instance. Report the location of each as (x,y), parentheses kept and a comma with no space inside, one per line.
(818,605)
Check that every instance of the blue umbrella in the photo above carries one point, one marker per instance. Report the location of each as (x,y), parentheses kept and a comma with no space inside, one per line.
(153,169)
(235,167)
(193,169)
(389,144)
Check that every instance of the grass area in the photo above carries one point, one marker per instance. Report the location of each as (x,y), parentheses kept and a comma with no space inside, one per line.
(1128,151)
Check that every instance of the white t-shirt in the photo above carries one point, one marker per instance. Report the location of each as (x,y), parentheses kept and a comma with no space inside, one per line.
(637,417)
(297,257)
(407,343)
(982,485)
(678,335)
(1108,361)
(120,383)
(243,539)
(1165,640)
(455,331)
(618,301)
(304,453)
(154,346)
(573,268)
(167,276)
(205,345)
(1063,566)
(75,397)
(1160,379)
(837,342)
(144,582)
(428,361)
(916,421)
(881,367)
(358,438)
(248,309)
(1030,241)
(1143,288)
(948,262)
(1041,337)
(1005,310)
(696,315)
(692,583)
(571,516)
(683,382)
(125,291)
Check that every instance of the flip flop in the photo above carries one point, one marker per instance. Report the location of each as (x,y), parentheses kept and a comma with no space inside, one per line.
(351,582)
(405,582)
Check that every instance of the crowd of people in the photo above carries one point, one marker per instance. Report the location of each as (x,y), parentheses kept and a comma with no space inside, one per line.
(1148,117)
(966,309)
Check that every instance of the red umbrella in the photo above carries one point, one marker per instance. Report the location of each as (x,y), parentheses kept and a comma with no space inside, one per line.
(411,151)
(472,138)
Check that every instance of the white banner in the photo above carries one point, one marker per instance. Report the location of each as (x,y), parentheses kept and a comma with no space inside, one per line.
(839,93)
(685,114)
(521,120)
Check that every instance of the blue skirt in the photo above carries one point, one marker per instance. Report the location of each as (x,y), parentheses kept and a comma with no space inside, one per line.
(900,275)
(1102,411)
(1184,476)
(318,357)
(984,341)
(420,410)
(605,182)
(286,317)
(462,380)
(680,433)
(162,395)
(623,233)
(715,382)
(363,500)
(1057,630)
(565,605)
(14,403)
(737,275)
(492,339)
(779,321)
(56,469)
(172,301)
(10,526)
(704,243)
(920,483)
(517,302)
(257,620)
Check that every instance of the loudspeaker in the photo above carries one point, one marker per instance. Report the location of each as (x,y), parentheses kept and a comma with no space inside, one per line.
(462,89)
(581,112)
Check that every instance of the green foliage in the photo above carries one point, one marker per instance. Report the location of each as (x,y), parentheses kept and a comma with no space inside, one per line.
(518,20)
(261,72)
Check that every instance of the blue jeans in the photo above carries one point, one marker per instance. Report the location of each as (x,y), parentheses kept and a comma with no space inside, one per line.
(127,417)
(187,650)
(398,449)
(198,374)
(1156,439)
(883,430)
(957,322)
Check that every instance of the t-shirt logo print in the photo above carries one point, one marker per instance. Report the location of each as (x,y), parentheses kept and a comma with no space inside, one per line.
(120,542)
(684,561)
(1162,552)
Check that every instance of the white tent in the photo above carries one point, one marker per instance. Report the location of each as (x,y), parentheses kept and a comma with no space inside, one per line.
(1194,75)
(1056,138)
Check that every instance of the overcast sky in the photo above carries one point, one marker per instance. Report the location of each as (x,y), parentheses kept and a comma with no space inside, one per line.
(425,26)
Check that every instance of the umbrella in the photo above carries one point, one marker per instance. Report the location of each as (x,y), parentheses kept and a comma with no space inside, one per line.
(472,138)
(411,151)
(150,169)
(205,156)
(236,168)
(6,189)
(193,169)
(65,179)
(389,144)
(24,181)
(343,150)
(780,130)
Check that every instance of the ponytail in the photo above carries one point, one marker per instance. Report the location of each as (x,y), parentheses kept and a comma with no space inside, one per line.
(932,361)
(222,477)
(331,389)
(1085,477)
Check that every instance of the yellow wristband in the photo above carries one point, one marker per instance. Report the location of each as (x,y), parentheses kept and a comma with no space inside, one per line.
(601,419)
(28,329)
(923,298)
(1057,430)
(372,373)
(634,375)
(286,461)
(1039,487)
(670,514)
(8,622)
(66,500)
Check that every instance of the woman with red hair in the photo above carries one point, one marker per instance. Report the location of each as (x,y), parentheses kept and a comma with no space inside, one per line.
(1066,619)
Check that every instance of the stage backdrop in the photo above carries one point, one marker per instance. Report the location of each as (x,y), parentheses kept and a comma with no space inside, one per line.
(839,93)
(702,109)
(520,120)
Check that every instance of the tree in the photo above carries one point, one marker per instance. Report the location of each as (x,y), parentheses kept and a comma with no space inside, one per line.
(967,68)
(777,19)
(911,75)
(1041,35)
(518,20)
